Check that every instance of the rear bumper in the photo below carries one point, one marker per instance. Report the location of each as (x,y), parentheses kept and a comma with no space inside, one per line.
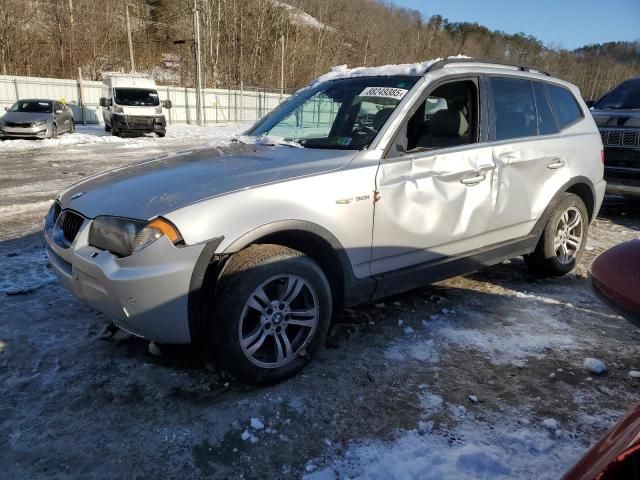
(128,124)
(145,294)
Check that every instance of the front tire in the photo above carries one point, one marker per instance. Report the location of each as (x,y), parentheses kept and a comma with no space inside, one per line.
(107,128)
(271,314)
(54,131)
(563,238)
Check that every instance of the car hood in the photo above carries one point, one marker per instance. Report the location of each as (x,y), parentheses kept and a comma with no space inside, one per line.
(617,118)
(25,116)
(159,186)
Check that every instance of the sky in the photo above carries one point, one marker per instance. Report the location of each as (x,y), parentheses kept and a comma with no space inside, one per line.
(565,23)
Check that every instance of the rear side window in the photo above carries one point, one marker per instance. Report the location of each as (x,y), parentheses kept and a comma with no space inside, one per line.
(546,122)
(514,108)
(564,106)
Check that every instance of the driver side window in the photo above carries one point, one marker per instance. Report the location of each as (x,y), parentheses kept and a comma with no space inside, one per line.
(448,117)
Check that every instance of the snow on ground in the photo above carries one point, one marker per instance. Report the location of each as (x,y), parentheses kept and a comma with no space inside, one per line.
(95,134)
(480,376)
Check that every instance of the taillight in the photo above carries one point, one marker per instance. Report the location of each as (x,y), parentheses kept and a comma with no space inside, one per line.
(602,154)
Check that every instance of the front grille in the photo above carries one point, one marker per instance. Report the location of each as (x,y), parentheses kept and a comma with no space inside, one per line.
(71,223)
(17,124)
(140,122)
(620,138)
(629,139)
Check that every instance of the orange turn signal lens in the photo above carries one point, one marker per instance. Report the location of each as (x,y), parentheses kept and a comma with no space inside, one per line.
(166,228)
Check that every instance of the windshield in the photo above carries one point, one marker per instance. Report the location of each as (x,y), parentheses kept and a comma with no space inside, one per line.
(624,96)
(344,114)
(31,106)
(136,97)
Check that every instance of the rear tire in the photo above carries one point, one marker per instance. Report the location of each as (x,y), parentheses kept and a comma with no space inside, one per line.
(271,314)
(563,238)
(54,131)
(160,135)
(72,127)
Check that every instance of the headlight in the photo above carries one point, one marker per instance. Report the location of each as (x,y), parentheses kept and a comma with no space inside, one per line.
(158,110)
(124,236)
(39,123)
(117,109)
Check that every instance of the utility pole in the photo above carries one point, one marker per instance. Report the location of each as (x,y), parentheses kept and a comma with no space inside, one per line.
(196,36)
(126,11)
(281,67)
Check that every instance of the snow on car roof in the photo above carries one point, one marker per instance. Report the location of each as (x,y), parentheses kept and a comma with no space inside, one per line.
(415,69)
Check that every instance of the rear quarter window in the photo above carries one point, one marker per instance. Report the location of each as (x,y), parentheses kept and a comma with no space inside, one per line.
(565,106)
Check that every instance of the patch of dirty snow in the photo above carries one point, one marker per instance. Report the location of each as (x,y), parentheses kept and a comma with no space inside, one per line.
(509,342)
(595,366)
(24,271)
(498,448)
(424,351)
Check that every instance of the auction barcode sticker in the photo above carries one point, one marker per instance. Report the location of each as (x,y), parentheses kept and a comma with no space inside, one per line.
(386,92)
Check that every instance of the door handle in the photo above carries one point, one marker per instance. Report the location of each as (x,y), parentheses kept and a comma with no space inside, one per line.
(555,164)
(476,179)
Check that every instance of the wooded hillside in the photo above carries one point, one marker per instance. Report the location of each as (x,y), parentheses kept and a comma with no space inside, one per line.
(241,41)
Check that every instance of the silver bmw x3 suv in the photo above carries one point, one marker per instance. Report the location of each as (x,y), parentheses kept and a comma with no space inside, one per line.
(368,182)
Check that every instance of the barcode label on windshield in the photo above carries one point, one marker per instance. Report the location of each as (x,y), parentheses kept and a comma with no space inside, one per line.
(386,92)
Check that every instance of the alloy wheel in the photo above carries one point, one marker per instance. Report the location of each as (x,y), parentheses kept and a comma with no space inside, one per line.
(569,235)
(278,321)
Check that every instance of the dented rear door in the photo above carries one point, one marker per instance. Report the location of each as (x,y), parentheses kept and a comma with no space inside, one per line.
(430,205)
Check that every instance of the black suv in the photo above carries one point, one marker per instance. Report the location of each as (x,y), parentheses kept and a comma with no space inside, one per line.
(617,115)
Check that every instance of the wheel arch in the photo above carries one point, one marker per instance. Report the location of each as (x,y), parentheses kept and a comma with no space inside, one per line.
(583,188)
(316,242)
(309,238)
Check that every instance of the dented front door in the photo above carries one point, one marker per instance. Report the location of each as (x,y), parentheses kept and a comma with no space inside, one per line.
(430,205)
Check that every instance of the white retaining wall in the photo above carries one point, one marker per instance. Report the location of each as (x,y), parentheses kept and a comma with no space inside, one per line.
(220,105)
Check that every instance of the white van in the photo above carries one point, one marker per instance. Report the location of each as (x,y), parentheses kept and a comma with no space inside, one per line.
(131,104)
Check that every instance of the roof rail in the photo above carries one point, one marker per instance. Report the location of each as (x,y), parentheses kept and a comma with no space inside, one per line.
(451,60)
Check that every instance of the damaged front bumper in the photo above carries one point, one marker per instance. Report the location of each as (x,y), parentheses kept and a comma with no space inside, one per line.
(145,293)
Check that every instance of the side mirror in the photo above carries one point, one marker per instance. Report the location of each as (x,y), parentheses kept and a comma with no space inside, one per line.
(589,103)
(105,102)
(6,109)
(166,103)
